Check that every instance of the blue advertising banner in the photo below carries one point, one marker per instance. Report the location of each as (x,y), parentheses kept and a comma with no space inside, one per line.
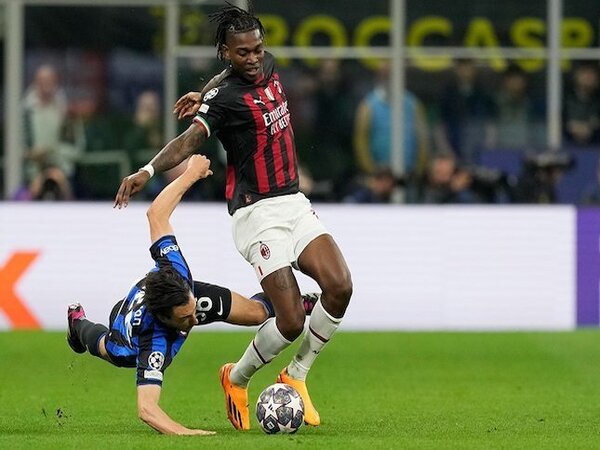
(588,267)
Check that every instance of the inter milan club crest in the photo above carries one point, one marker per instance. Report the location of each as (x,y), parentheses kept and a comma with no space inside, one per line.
(264,251)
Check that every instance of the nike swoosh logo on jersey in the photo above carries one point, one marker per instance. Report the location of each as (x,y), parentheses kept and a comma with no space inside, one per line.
(220,306)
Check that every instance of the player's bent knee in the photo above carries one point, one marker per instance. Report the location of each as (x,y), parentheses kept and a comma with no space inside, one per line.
(340,290)
(336,297)
(291,327)
(344,289)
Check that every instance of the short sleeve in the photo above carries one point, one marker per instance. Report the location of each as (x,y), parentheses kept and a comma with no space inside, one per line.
(166,253)
(152,358)
(213,111)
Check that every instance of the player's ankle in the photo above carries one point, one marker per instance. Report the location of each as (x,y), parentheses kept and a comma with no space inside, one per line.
(237,379)
(296,371)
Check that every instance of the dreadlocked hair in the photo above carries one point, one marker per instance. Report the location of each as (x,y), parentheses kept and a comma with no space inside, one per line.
(164,290)
(233,20)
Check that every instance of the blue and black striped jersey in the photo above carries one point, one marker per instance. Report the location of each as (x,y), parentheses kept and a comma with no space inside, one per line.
(137,338)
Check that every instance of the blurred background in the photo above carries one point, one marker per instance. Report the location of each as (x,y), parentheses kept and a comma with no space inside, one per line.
(392,101)
(402,105)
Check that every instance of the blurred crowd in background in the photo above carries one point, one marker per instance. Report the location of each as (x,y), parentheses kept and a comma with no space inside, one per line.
(472,133)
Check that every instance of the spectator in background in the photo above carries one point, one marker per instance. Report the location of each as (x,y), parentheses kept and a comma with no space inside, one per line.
(465,114)
(373,129)
(540,177)
(146,131)
(329,157)
(581,112)
(591,194)
(54,139)
(377,187)
(516,117)
(315,190)
(445,182)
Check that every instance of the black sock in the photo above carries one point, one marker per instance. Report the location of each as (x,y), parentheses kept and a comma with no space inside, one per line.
(89,334)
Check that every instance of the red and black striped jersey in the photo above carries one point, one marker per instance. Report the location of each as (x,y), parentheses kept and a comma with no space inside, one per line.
(252,121)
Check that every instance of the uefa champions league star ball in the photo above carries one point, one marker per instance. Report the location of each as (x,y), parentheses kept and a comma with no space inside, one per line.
(280,409)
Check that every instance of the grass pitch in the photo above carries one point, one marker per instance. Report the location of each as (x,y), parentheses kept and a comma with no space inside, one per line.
(373,390)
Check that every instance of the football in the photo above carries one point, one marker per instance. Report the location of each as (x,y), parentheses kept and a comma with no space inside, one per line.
(280,409)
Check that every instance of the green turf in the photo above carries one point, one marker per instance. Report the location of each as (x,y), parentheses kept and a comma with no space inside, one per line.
(376,390)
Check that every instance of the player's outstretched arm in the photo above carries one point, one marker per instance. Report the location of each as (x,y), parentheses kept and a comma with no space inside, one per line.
(149,412)
(171,155)
(164,204)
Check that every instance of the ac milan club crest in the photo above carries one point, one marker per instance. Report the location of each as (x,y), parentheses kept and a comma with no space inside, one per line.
(264,251)
(270,95)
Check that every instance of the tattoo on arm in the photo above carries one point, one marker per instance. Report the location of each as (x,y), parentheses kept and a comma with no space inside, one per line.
(179,148)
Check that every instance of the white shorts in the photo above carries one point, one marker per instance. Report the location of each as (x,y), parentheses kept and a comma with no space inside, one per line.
(271,233)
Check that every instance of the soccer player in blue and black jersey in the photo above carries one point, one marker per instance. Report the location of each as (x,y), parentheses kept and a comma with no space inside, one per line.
(274,225)
(151,324)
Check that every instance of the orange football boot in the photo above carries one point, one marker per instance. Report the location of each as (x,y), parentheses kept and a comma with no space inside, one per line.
(311,415)
(236,400)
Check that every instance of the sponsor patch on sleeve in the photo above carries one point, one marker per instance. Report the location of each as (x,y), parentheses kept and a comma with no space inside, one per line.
(153,375)
(204,108)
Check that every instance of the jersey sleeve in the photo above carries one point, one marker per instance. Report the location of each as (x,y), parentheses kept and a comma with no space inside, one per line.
(213,110)
(152,358)
(166,252)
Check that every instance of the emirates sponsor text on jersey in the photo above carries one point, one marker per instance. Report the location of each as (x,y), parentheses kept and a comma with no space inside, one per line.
(278,119)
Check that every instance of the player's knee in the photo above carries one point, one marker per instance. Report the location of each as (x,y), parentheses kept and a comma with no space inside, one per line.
(339,289)
(291,326)
(345,290)
(336,295)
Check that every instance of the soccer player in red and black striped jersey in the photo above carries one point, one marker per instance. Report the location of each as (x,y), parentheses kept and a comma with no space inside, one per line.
(274,225)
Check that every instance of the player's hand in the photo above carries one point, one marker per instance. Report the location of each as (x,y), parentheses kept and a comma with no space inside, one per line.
(199,167)
(129,186)
(187,105)
(201,433)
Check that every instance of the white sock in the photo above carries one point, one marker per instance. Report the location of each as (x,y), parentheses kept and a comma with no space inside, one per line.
(321,327)
(265,346)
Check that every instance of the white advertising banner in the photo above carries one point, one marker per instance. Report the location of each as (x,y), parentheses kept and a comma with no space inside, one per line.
(413,268)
